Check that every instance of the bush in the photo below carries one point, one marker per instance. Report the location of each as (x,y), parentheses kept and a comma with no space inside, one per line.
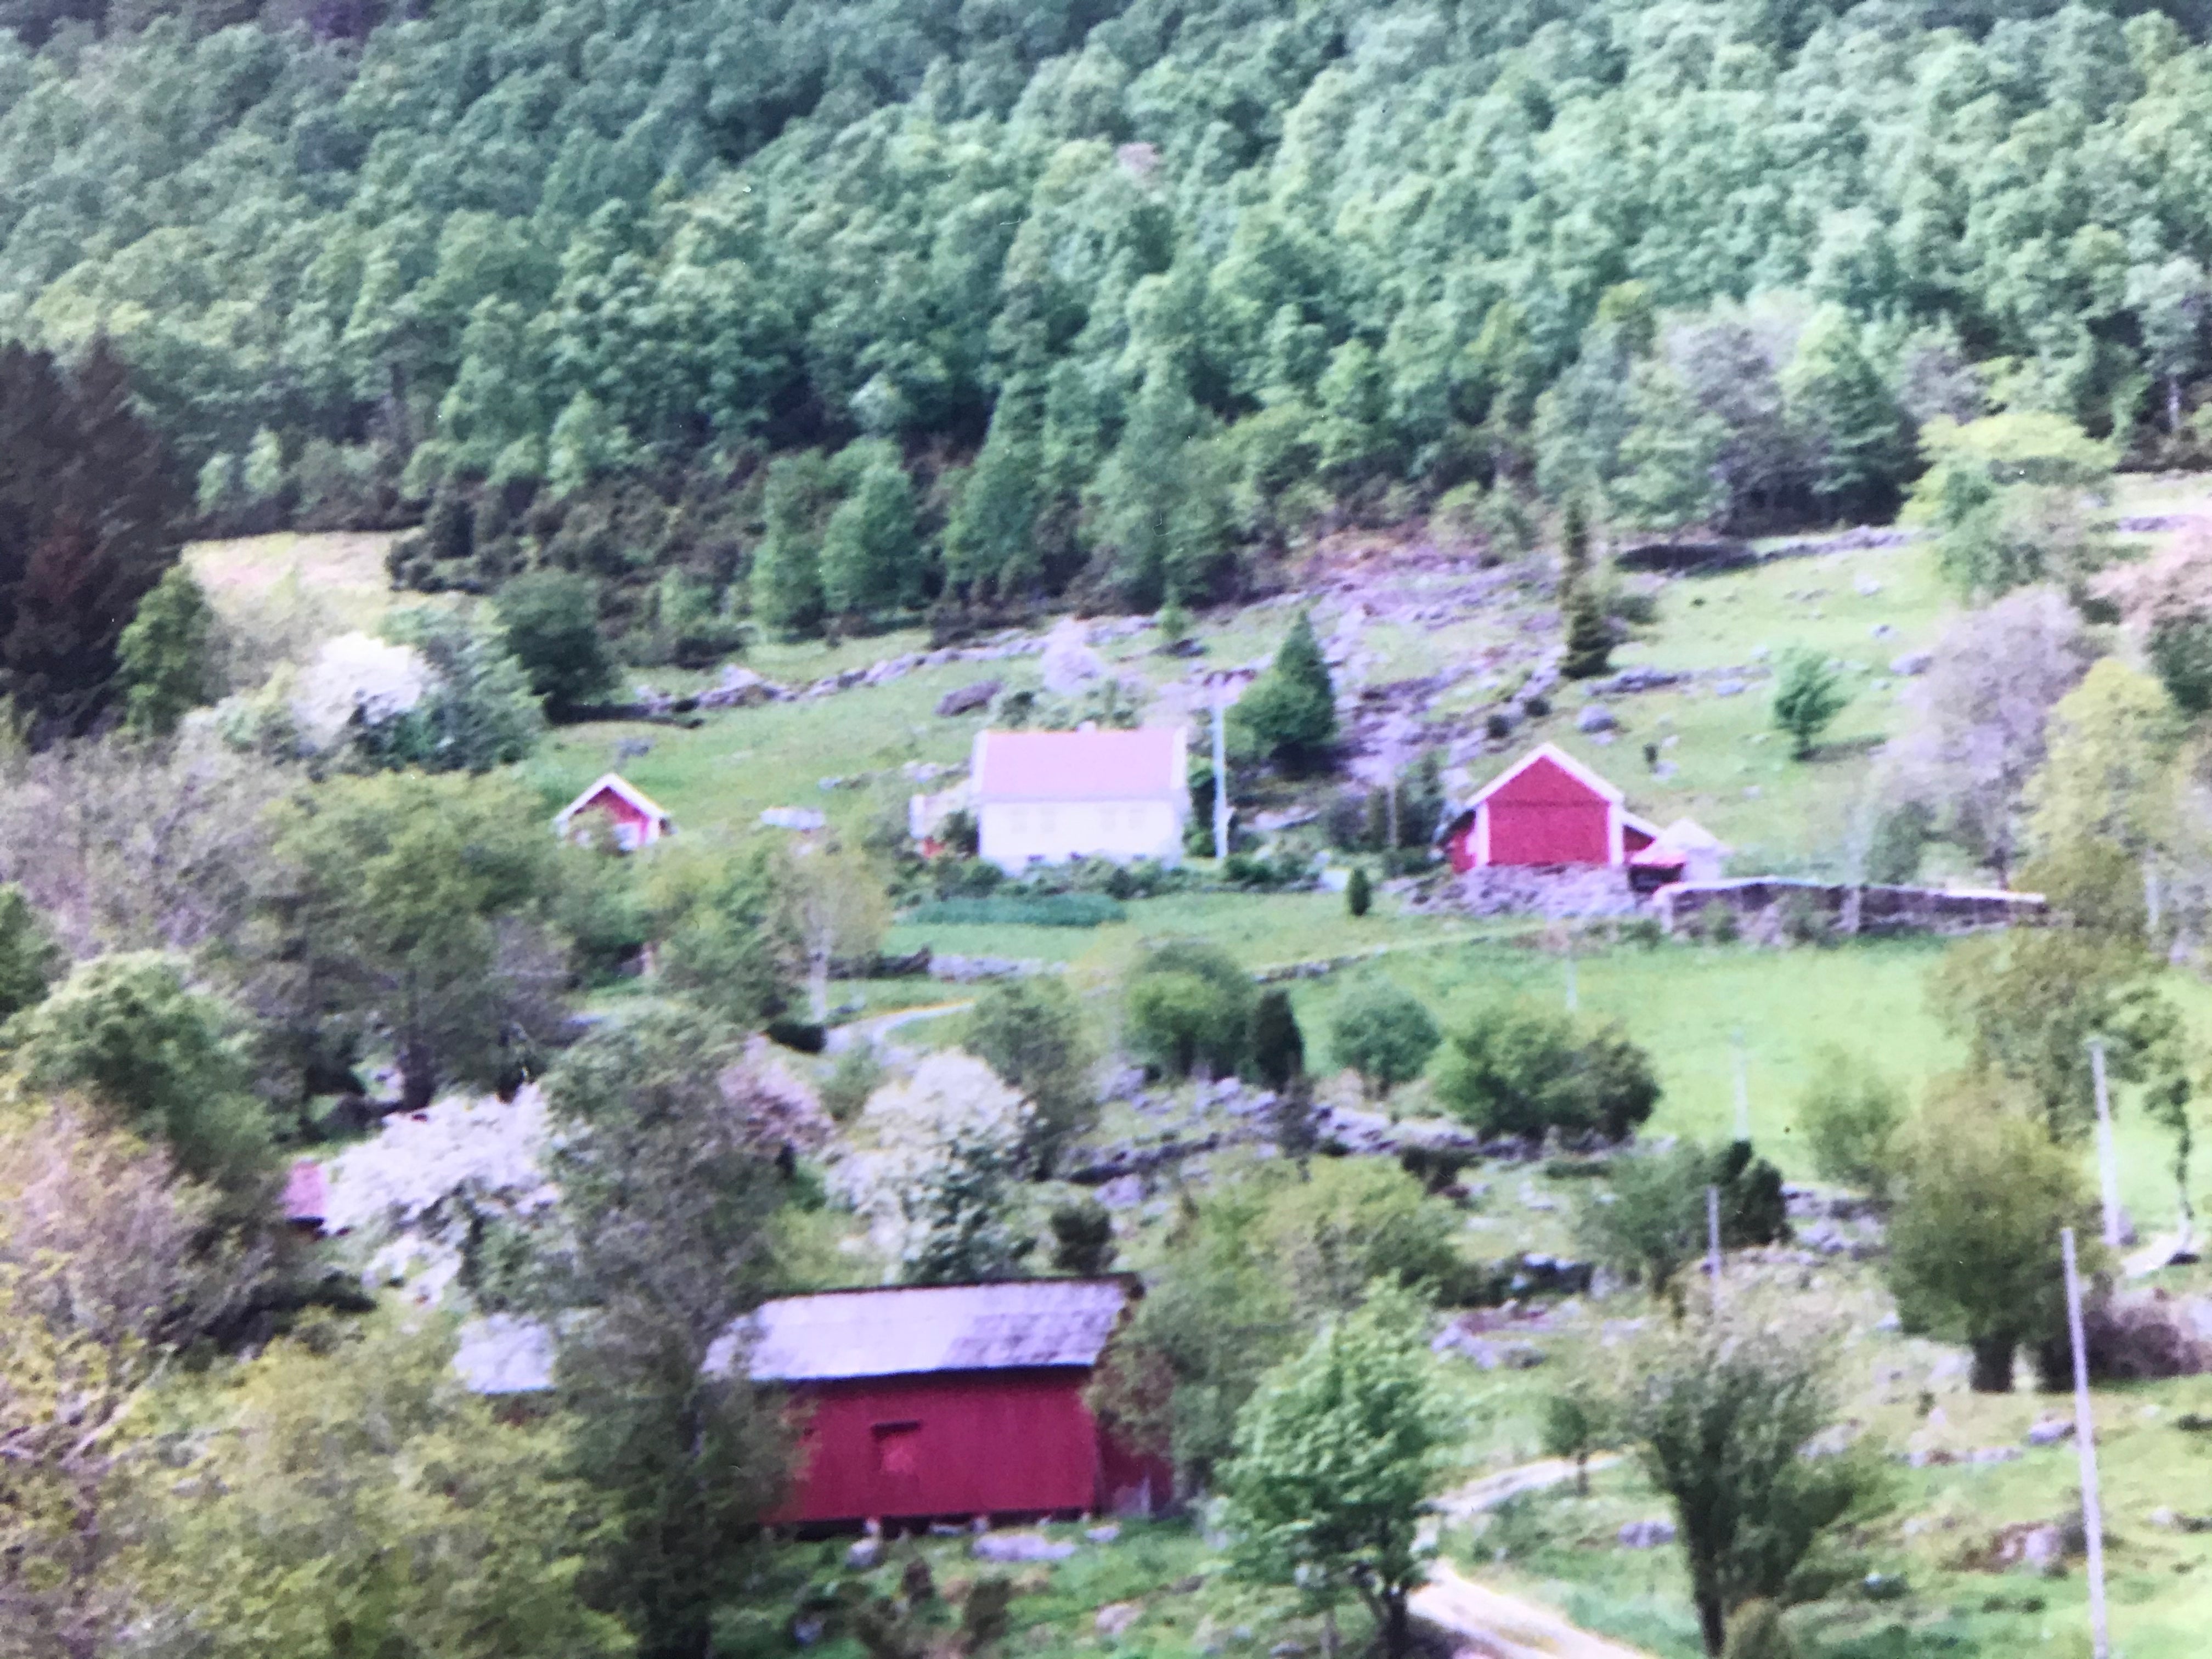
(1516,1069)
(1898,843)
(550,620)
(1290,711)
(1082,1237)
(1354,1223)
(1384,1035)
(1809,697)
(1189,1004)
(1653,1220)
(1030,1031)
(1358,892)
(1851,1115)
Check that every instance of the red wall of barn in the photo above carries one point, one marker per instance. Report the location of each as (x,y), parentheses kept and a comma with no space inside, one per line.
(1546,816)
(615,808)
(973,1443)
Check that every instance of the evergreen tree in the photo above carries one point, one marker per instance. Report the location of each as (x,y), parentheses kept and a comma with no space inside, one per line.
(1291,710)
(1278,1048)
(1808,699)
(1861,449)
(869,550)
(549,621)
(787,576)
(1358,892)
(29,958)
(1589,636)
(165,657)
(1160,505)
(990,544)
(89,517)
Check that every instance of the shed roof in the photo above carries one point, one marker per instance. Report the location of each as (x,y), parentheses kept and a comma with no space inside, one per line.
(1145,765)
(914,1329)
(614,783)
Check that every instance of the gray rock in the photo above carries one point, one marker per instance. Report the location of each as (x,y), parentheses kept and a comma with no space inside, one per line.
(1728,688)
(966,970)
(2050,1431)
(1595,717)
(802,818)
(1881,631)
(1117,1616)
(1016,1547)
(2044,1550)
(1069,663)
(1868,587)
(1912,662)
(1646,1535)
(967,699)
(1105,1535)
(1994,1455)
(866,1555)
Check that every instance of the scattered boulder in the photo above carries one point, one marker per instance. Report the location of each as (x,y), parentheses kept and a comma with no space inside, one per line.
(968,699)
(1911,663)
(2050,1431)
(1646,1535)
(1105,1535)
(1116,1617)
(1729,687)
(1595,717)
(805,819)
(866,1555)
(1069,664)
(966,970)
(1018,1547)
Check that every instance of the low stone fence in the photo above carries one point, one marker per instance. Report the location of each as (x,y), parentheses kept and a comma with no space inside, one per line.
(1782,902)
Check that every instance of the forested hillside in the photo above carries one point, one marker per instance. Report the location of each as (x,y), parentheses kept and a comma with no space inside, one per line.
(1025,295)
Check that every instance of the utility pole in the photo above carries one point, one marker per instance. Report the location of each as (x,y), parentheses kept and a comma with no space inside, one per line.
(1221,775)
(2085,1440)
(1713,1241)
(2106,1169)
(1742,1088)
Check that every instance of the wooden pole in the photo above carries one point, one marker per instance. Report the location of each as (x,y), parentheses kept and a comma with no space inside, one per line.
(1713,1240)
(2107,1169)
(2084,1439)
(1220,777)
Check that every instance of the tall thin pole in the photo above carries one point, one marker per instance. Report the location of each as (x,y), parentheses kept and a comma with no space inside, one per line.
(1742,1088)
(1220,777)
(2085,1440)
(1713,1239)
(2107,1169)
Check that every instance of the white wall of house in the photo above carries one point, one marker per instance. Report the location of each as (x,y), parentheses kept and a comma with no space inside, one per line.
(1012,834)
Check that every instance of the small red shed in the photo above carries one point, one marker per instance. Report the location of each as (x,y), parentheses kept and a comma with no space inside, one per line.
(633,817)
(1546,808)
(950,1400)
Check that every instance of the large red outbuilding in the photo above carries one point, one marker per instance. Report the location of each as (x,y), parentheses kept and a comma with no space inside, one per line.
(1546,808)
(951,1401)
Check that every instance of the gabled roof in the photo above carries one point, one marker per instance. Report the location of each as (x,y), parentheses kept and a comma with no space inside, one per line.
(909,1330)
(613,783)
(1145,765)
(1559,757)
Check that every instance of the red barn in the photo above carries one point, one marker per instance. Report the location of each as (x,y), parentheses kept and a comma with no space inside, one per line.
(950,1400)
(622,809)
(1546,808)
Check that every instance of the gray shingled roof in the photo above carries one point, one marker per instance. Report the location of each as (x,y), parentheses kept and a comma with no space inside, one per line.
(922,1328)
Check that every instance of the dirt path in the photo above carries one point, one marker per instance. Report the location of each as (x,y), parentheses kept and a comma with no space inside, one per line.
(875,1027)
(1497,1625)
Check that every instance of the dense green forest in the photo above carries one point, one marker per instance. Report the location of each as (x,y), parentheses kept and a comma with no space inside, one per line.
(830,309)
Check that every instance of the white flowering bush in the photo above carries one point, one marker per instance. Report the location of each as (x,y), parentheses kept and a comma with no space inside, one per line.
(936,1157)
(354,674)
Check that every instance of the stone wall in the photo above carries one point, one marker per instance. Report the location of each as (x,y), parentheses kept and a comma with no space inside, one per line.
(1781,903)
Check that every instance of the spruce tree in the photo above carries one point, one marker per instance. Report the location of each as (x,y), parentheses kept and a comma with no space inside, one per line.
(166,655)
(990,540)
(1861,448)
(1589,636)
(1278,1048)
(787,576)
(871,542)
(1359,894)
(1291,711)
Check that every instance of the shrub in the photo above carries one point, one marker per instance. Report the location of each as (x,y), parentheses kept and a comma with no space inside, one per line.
(1030,1031)
(1290,711)
(1189,1004)
(550,622)
(1082,1237)
(1019,910)
(1809,697)
(1898,843)
(1851,1115)
(1654,1221)
(1516,1069)
(1358,892)
(1384,1035)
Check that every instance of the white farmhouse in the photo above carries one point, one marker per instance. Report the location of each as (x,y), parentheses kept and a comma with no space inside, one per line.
(1041,797)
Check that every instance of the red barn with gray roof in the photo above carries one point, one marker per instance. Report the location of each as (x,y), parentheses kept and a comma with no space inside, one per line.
(949,1401)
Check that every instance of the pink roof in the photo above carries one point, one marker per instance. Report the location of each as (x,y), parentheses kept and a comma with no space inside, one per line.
(1054,766)
(306,1197)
